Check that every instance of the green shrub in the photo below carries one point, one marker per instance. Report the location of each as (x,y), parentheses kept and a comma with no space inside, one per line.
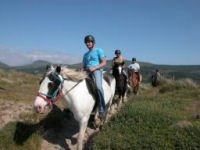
(157,122)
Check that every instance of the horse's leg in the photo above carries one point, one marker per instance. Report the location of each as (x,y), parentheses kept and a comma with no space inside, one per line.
(136,89)
(138,86)
(97,121)
(110,103)
(119,100)
(83,125)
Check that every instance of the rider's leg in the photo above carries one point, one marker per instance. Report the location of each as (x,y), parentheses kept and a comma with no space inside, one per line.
(124,72)
(97,76)
(127,78)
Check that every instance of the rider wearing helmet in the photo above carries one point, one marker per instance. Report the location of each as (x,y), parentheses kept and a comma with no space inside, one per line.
(119,60)
(93,61)
(136,67)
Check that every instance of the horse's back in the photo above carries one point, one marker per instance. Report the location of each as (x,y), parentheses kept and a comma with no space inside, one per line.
(134,78)
(108,78)
(110,84)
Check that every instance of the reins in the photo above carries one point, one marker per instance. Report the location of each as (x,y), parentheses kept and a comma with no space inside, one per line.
(58,92)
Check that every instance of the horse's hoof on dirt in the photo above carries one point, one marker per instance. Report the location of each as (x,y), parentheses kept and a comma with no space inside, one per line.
(97,123)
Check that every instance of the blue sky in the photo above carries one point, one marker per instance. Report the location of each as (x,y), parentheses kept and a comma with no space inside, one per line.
(157,31)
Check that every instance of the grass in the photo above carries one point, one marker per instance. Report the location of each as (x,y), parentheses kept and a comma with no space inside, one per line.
(28,133)
(170,85)
(162,118)
(158,121)
(19,136)
(18,86)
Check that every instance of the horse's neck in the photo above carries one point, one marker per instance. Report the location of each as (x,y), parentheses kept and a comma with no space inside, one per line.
(69,85)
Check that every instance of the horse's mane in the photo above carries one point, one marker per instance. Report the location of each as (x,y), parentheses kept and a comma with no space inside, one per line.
(72,74)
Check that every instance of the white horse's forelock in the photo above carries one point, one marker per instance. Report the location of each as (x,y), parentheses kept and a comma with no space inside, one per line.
(120,69)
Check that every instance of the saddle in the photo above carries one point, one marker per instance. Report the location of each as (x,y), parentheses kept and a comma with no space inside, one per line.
(92,88)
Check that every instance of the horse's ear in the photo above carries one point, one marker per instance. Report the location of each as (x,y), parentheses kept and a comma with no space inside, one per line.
(49,67)
(58,69)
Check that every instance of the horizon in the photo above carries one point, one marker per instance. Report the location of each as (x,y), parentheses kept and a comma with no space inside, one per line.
(158,32)
(107,60)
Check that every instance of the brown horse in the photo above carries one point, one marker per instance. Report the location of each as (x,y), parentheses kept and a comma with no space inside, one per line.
(133,77)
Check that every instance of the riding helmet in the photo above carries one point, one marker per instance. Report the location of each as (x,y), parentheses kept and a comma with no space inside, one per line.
(89,38)
(133,59)
(117,51)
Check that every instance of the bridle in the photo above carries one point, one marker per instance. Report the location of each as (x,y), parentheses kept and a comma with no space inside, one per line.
(57,93)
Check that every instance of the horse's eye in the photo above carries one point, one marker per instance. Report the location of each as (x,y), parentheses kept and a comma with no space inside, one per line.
(50,84)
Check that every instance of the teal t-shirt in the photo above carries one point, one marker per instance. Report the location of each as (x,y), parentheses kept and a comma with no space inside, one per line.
(93,57)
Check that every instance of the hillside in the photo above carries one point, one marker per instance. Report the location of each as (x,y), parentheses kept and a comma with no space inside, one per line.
(3,66)
(147,69)
(166,117)
(36,67)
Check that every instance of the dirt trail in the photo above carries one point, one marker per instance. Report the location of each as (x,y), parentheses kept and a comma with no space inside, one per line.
(10,110)
(67,139)
(63,138)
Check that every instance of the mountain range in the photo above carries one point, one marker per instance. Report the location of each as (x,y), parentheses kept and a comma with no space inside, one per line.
(147,69)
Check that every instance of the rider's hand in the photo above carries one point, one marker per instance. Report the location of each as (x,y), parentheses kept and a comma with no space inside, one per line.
(92,69)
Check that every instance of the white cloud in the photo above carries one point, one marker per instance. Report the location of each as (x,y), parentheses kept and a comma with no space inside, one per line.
(16,58)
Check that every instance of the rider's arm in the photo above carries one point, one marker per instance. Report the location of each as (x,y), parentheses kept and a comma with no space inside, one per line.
(113,62)
(138,68)
(102,57)
(124,65)
(102,64)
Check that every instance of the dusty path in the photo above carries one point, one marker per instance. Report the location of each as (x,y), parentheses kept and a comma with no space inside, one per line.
(10,110)
(64,136)
(65,139)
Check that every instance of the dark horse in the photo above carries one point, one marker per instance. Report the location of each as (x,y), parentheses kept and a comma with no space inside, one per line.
(155,78)
(121,81)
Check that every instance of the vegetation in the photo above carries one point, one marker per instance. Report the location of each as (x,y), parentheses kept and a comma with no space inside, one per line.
(147,69)
(28,132)
(18,86)
(164,118)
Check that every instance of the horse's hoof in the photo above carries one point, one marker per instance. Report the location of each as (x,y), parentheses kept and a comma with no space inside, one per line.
(97,123)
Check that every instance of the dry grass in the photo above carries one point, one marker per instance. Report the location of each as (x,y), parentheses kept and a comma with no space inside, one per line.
(167,85)
(18,86)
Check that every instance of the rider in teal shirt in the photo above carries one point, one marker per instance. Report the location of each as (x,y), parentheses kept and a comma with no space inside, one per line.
(93,58)
(93,61)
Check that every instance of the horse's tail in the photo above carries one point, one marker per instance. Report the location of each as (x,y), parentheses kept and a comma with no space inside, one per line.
(113,86)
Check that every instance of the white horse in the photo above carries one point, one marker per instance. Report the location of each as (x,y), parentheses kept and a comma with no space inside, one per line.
(73,87)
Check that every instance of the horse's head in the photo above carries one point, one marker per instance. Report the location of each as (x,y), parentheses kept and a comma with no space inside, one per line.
(117,69)
(50,89)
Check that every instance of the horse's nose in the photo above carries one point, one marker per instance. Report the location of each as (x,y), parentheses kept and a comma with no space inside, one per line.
(38,108)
